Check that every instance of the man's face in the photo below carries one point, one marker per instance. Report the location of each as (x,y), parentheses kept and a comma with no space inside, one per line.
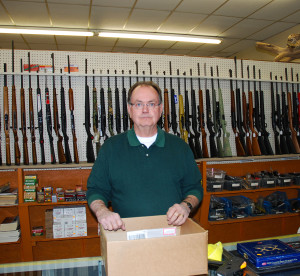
(146,116)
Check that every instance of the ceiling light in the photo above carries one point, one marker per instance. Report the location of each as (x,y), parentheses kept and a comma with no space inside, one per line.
(44,32)
(168,37)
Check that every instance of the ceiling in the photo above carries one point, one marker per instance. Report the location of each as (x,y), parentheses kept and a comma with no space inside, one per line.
(239,23)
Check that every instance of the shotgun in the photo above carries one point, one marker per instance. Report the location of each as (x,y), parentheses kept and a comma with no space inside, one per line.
(183,131)
(110,115)
(49,123)
(90,157)
(124,105)
(173,106)
(201,118)
(40,119)
(6,118)
(117,105)
(56,126)
(71,107)
(295,108)
(31,118)
(166,106)
(14,112)
(96,128)
(64,120)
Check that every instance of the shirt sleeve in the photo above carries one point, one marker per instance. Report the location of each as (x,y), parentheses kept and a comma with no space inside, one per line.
(98,186)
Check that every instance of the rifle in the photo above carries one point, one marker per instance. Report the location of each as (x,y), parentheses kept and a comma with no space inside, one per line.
(117,104)
(40,120)
(290,119)
(209,122)
(238,145)
(257,118)
(23,121)
(14,112)
(245,115)
(201,118)
(173,107)
(64,121)
(90,157)
(274,116)
(110,109)
(49,122)
(71,107)
(295,108)
(223,123)
(124,102)
(183,131)
(194,121)
(264,131)
(166,106)
(6,118)
(239,124)
(285,123)
(255,144)
(283,145)
(31,118)
(216,117)
(56,126)
(187,119)
(102,111)
(96,139)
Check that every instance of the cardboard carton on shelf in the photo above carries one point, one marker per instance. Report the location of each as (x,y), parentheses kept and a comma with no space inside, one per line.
(184,253)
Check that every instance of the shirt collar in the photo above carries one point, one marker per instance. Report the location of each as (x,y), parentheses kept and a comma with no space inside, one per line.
(133,140)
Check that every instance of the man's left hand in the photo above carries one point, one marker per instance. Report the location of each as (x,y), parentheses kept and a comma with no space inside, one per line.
(178,214)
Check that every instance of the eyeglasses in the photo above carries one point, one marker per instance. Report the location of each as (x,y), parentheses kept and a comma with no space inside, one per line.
(140,106)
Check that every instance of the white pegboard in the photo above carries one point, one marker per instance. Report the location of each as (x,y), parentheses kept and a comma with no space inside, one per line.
(122,65)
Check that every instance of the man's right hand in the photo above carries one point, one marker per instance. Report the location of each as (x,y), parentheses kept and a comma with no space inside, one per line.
(108,219)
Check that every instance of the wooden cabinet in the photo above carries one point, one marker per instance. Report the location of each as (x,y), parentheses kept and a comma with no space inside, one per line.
(31,248)
(230,230)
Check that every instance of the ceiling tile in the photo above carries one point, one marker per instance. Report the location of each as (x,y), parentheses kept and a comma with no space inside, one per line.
(203,6)
(277,9)
(182,23)
(215,25)
(70,47)
(43,46)
(113,3)
(4,18)
(201,53)
(238,8)
(64,16)
(70,40)
(166,5)
(146,20)
(101,41)
(38,38)
(11,37)
(243,44)
(108,18)
(71,2)
(151,51)
(21,11)
(218,47)
(272,30)
(125,50)
(245,28)
(95,48)
(159,44)
(176,52)
(185,45)
(293,17)
(130,42)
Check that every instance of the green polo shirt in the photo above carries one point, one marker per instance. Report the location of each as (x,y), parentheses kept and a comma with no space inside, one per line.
(141,181)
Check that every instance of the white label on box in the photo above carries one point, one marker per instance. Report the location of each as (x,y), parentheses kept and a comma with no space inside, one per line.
(217,186)
(287,180)
(254,184)
(270,182)
(218,176)
(151,233)
(236,185)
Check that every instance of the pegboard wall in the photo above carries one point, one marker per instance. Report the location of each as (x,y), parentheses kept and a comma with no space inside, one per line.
(130,67)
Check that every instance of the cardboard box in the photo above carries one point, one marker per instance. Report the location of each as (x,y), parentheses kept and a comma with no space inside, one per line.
(183,254)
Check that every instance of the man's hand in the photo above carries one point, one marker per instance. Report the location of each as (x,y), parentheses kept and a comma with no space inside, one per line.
(178,214)
(108,219)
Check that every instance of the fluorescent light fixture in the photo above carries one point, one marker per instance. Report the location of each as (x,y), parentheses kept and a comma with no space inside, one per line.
(44,32)
(168,37)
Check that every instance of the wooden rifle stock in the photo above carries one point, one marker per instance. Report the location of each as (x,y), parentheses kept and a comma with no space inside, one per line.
(246,123)
(166,110)
(60,149)
(183,132)
(32,127)
(96,139)
(71,107)
(255,145)
(293,131)
(202,126)
(23,127)
(15,126)
(6,119)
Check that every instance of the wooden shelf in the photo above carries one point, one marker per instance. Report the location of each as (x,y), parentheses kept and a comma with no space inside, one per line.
(231,230)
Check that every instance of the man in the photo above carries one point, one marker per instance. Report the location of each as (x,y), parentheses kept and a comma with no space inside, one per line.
(144,171)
